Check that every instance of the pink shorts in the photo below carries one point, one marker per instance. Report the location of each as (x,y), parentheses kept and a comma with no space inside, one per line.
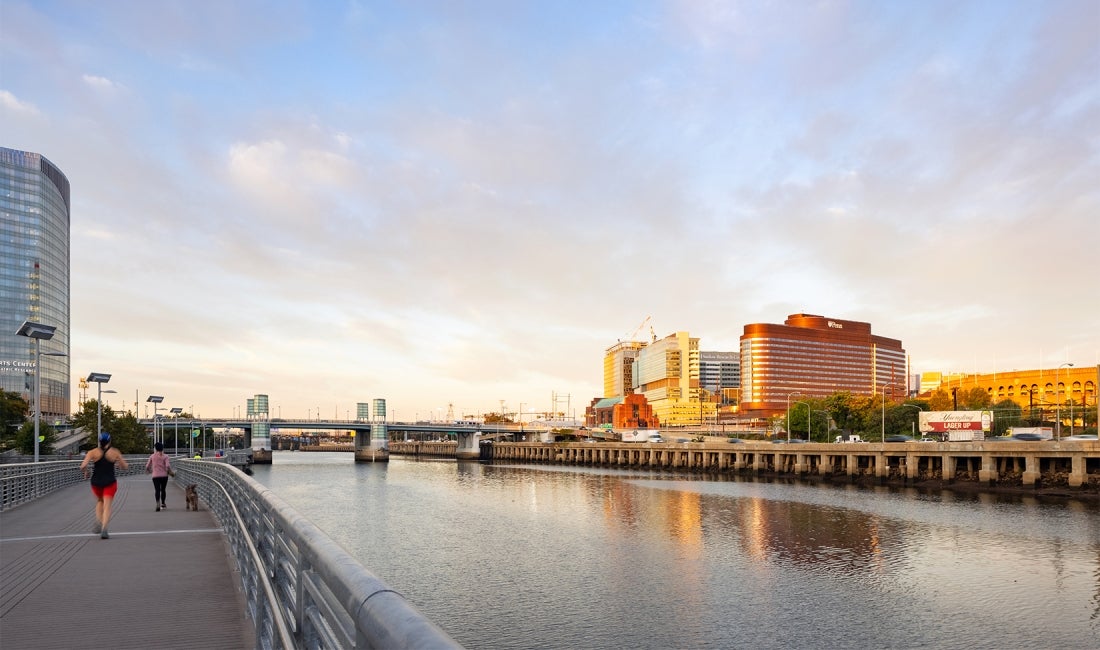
(105,490)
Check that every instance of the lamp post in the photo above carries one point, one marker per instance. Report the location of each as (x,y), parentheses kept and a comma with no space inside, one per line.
(1058,409)
(39,333)
(99,378)
(175,411)
(155,399)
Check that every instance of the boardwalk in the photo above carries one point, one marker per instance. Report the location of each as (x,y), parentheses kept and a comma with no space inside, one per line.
(162,580)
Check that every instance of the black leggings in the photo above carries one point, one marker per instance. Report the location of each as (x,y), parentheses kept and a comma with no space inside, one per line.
(160,486)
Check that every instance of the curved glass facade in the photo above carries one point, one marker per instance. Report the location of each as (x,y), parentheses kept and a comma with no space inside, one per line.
(34,277)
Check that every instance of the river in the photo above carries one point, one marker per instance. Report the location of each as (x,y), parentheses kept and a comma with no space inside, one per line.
(534,556)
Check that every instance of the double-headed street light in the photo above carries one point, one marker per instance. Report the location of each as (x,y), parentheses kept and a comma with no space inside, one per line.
(155,399)
(99,378)
(788,423)
(1058,389)
(39,333)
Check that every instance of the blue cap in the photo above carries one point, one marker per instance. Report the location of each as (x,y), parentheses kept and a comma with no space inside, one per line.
(104,437)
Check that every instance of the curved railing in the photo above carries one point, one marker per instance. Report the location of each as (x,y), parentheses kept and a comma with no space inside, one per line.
(302,589)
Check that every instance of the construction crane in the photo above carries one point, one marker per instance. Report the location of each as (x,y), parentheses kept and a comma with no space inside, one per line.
(633,335)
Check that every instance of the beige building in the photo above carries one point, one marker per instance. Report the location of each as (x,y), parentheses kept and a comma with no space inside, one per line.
(666,372)
(618,368)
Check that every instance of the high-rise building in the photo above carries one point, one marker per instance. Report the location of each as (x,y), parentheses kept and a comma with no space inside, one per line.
(618,368)
(719,370)
(666,372)
(815,356)
(34,277)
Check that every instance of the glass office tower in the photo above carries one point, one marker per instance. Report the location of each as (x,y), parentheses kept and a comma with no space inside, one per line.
(34,277)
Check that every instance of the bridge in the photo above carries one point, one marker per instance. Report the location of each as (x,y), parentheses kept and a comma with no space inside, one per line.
(245,570)
(371,438)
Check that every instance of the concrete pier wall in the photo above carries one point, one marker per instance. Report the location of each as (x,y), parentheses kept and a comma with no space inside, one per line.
(1071,464)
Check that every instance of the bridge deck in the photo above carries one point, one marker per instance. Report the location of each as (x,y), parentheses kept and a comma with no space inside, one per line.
(162,580)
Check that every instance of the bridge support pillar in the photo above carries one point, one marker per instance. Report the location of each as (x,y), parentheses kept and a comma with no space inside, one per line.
(1078,473)
(1031,470)
(988,472)
(469,445)
(372,447)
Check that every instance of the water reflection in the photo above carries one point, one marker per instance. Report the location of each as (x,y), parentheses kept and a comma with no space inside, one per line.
(529,556)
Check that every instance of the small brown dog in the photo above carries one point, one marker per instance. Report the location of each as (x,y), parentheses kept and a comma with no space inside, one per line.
(192,495)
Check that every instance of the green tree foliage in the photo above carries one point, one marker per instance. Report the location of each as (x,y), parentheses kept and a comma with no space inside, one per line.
(974,399)
(1006,414)
(129,435)
(85,418)
(13,412)
(24,439)
(941,400)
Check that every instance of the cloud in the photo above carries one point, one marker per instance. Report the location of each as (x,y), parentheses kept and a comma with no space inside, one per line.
(466,206)
(10,102)
(100,83)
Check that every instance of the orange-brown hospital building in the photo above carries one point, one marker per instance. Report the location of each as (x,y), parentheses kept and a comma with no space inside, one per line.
(816,356)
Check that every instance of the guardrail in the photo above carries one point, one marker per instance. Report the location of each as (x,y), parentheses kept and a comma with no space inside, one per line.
(302,590)
(22,482)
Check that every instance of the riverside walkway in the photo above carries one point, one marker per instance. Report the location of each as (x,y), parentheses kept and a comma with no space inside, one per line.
(163,579)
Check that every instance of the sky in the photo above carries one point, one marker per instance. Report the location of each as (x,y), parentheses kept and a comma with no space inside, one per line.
(458,205)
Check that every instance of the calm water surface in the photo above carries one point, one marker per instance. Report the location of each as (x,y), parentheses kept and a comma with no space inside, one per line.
(528,556)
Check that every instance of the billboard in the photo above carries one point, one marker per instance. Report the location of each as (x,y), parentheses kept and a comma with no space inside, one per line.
(947,421)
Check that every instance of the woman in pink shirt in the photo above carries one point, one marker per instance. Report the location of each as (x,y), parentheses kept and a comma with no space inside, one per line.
(160,467)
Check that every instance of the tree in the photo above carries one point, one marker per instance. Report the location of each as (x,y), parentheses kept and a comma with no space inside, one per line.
(839,406)
(1006,414)
(941,400)
(87,418)
(13,412)
(24,439)
(128,435)
(974,399)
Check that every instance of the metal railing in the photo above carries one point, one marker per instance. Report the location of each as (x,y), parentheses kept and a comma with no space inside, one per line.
(23,482)
(302,590)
